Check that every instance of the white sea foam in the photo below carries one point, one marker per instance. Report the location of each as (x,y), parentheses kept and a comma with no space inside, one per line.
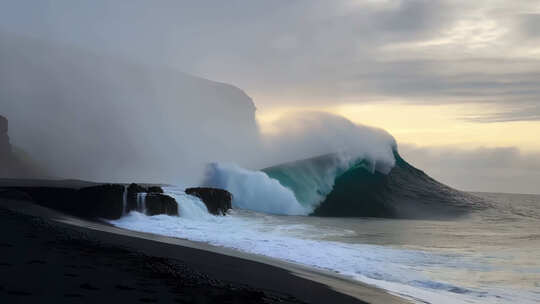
(124,200)
(141,202)
(254,190)
(189,206)
(397,270)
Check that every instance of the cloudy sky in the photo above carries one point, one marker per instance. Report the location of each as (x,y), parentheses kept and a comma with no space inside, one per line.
(456,82)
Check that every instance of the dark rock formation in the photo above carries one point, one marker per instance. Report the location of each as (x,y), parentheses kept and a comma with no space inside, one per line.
(59,198)
(5,147)
(3,124)
(105,201)
(132,191)
(157,203)
(11,163)
(136,188)
(100,201)
(218,201)
(155,189)
(6,157)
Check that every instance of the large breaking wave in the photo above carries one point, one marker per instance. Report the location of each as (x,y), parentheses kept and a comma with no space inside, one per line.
(334,185)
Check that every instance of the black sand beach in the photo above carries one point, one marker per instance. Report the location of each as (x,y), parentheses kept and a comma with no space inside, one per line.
(47,256)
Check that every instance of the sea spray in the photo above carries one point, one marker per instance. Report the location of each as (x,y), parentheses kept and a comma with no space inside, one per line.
(254,190)
(141,202)
(304,135)
(124,200)
(189,206)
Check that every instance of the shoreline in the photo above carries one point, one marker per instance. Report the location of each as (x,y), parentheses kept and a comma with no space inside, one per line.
(228,265)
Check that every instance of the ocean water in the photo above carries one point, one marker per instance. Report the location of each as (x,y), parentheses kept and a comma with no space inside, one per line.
(487,256)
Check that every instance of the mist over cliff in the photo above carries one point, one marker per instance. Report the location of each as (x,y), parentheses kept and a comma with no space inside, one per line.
(15,163)
(96,117)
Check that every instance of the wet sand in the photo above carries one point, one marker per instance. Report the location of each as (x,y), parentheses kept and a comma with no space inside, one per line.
(47,256)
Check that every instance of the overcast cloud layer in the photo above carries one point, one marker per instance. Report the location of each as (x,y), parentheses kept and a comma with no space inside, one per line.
(318,51)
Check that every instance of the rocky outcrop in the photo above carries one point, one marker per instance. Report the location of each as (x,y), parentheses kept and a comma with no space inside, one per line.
(3,124)
(157,203)
(131,196)
(155,189)
(63,199)
(217,201)
(6,157)
(133,199)
(101,201)
(12,162)
(5,147)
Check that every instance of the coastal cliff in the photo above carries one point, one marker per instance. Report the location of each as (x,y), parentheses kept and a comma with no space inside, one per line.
(11,165)
(100,117)
(5,147)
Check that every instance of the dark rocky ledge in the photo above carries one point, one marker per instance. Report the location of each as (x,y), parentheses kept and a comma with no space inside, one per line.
(105,201)
(108,201)
(218,201)
(131,196)
(158,203)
